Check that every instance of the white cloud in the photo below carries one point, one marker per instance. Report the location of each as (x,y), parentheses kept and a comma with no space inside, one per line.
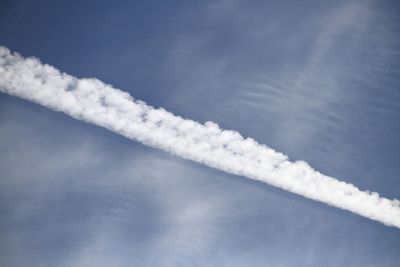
(93,101)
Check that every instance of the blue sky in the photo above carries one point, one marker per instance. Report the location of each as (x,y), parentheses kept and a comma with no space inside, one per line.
(317,81)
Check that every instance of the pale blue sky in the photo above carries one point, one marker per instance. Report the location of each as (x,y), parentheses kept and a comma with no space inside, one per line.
(317,81)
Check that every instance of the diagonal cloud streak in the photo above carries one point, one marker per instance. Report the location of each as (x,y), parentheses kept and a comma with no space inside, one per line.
(95,102)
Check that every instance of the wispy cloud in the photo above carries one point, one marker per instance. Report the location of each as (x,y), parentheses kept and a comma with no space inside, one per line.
(93,101)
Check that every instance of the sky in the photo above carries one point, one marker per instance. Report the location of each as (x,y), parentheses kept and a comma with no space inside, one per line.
(317,81)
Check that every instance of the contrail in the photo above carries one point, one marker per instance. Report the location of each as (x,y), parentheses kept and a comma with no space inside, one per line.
(95,102)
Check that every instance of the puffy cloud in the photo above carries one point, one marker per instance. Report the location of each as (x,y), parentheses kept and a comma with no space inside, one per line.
(93,101)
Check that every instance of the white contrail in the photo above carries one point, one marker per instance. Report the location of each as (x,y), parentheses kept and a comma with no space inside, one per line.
(93,101)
